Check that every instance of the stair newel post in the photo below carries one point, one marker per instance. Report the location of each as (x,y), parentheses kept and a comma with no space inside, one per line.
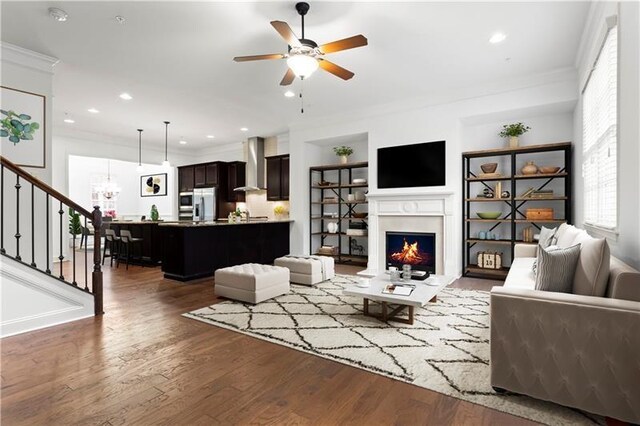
(2,209)
(47,216)
(97,272)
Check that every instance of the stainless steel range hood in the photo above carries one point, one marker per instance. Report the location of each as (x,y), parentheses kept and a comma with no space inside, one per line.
(255,165)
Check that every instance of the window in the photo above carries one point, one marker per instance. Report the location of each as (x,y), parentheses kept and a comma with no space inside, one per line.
(599,137)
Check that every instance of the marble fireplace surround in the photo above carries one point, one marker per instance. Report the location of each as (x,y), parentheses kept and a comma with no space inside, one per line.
(411,212)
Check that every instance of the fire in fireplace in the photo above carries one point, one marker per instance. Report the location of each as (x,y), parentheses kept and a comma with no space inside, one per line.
(413,248)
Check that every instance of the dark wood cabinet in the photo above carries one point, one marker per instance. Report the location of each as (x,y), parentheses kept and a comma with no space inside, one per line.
(236,172)
(212,174)
(185,178)
(278,177)
(199,175)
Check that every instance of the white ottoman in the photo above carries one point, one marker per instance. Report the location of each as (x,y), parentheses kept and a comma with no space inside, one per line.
(307,270)
(251,282)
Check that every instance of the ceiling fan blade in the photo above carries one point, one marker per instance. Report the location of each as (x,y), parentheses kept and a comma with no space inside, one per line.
(287,34)
(258,57)
(335,69)
(344,44)
(288,78)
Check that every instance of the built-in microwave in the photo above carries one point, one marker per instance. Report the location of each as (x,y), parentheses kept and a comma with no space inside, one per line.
(186,200)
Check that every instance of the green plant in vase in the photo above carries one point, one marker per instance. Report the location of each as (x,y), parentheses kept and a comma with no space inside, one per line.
(154,213)
(513,132)
(343,152)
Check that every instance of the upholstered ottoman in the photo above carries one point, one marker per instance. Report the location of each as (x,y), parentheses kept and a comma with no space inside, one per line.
(307,270)
(251,282)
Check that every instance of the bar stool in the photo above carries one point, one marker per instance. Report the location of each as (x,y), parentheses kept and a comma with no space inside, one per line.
(127,240)
(112,241)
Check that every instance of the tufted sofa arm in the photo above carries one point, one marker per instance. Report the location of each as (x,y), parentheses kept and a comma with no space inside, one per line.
(525,250)
(578,351)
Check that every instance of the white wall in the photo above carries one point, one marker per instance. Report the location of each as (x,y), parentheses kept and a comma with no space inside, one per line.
(543,101)
(626,244)
(83,171)
(32,72)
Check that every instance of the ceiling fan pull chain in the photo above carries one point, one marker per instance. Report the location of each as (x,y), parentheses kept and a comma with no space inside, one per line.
(301,97)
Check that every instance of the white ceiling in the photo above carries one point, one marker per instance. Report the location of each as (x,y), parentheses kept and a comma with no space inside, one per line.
(175,59)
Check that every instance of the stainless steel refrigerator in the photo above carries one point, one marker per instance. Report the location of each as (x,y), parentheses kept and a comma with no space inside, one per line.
(204,204)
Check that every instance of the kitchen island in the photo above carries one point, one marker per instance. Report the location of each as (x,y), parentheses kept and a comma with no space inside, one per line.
(149,251)
(196,249)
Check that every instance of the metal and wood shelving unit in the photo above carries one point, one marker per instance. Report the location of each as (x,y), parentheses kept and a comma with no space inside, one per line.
(515,214)
(342,176)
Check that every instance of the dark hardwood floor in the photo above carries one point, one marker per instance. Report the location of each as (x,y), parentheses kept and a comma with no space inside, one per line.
(142,363)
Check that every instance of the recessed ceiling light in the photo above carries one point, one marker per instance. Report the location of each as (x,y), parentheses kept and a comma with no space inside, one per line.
(289,94)
(126,96)
(93,110)
(244,129)
(210,136)
(497,38)
(183,142)
(68,120)
(58,14)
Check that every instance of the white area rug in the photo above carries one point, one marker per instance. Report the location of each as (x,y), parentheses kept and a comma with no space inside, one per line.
(446,350)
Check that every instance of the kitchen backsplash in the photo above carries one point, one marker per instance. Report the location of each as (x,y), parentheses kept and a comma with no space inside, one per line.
(258,205)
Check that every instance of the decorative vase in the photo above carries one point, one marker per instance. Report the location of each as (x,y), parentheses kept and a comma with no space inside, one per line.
(513,141)
(344,159)
(530,168)
(332,227)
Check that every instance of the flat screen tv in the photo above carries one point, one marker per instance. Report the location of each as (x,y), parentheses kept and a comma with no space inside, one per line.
(406,166)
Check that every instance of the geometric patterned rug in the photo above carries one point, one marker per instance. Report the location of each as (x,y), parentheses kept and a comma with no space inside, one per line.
(445,350)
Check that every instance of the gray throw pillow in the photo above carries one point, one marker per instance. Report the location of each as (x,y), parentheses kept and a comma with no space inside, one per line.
(534,267)
(547,237)
(556,269)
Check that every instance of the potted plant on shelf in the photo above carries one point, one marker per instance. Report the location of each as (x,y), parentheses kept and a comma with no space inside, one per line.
(343,152)
(74,225)
(513,131)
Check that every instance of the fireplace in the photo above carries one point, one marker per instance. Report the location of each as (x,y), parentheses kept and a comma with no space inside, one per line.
(417,249)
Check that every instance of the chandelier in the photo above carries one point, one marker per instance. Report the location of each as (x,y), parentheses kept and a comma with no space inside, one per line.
(108,189)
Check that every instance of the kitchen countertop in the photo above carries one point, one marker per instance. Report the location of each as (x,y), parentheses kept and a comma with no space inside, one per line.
(189,223)
(139,222)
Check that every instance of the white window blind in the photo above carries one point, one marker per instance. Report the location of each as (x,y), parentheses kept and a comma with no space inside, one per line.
(599,136)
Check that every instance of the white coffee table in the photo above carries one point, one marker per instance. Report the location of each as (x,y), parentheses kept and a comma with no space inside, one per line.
(424,292)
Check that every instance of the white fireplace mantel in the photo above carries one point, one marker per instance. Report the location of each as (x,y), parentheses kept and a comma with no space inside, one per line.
(434,203)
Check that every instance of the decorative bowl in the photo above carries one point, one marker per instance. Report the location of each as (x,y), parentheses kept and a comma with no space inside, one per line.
(488,215)
(325,183)
(359,181)
(549,170)
(489,167)
(359,215)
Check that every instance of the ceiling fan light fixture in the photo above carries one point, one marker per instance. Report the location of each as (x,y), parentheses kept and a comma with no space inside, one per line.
(302,65)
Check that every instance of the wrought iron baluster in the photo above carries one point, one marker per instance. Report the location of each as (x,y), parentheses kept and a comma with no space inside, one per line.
(33,234)
(86,281)
(18,186)
(61,257)
(73,256)
(2,250)
(48,271)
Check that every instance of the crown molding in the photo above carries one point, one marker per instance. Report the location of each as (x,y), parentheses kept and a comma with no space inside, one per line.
(28,58)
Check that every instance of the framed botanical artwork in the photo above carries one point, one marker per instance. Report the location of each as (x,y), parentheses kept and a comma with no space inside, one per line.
(22,131)
(153,185)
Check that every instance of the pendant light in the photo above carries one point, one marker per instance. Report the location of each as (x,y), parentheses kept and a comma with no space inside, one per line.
(139,169)
(166,163)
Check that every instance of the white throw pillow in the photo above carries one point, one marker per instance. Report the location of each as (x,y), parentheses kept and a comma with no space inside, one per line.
(556,269)
(592,272)
(547,237)
(566,234)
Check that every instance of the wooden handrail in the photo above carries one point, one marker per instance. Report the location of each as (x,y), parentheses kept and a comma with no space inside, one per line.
(94,216)
(46,188)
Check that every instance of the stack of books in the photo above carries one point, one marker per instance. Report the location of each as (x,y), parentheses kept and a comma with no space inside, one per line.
(538,193)
(357,229)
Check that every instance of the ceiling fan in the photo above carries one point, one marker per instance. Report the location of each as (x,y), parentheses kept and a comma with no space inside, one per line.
(304,55)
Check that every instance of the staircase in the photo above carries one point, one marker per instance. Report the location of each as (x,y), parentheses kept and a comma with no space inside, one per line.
(40,286)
